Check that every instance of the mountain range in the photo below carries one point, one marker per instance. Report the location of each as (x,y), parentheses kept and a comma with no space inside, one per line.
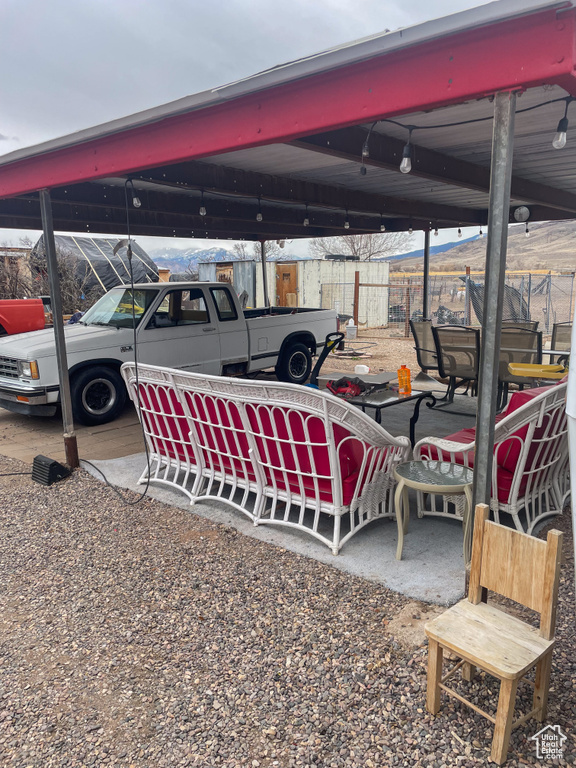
(550,245)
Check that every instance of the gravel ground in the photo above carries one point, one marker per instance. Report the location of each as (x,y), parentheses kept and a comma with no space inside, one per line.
(145,636)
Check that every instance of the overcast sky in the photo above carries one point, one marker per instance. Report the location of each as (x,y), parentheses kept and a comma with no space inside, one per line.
(71,64)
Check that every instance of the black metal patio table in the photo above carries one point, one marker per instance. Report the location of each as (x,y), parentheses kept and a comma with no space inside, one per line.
(385,398)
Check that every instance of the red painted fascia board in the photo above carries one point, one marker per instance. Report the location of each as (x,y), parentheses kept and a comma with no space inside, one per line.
(516,54)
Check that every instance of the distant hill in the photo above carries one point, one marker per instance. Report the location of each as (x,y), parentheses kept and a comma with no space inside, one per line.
(434,250)
(550,245)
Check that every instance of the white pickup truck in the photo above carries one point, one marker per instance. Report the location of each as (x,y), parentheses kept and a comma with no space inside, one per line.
(190,326)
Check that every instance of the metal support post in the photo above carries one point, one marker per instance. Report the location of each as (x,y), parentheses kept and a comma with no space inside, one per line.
(70,444)
(426,286)
(467,302)
(356,297)
(499,206)
(407,314)
(264,273)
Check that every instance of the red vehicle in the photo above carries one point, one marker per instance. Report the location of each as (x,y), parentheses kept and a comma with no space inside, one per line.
(21,315)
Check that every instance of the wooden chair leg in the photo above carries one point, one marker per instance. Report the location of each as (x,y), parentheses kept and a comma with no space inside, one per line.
(435,658)
(541,687)
(468,672)
(504,720)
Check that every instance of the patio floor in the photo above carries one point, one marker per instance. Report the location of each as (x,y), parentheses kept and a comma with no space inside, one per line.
(432,567)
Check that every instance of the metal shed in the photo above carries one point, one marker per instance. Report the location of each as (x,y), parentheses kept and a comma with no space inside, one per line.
(330,285)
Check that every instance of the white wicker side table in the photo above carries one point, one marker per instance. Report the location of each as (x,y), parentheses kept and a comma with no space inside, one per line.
(442,478)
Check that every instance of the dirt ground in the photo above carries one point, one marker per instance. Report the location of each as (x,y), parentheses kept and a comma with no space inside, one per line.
(381,349)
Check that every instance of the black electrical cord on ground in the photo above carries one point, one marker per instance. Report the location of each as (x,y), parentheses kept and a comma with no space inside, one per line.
(135,336)
(9,474)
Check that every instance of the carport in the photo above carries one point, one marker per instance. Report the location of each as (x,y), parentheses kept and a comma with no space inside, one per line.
(407,130)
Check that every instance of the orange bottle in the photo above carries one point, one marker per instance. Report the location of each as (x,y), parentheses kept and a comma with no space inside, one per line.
(404,383)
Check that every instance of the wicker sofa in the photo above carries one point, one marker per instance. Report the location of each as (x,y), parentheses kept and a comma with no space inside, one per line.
(530,462)
(282,454)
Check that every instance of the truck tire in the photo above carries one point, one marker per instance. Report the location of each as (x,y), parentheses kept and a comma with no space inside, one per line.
(98,395)
(295,364)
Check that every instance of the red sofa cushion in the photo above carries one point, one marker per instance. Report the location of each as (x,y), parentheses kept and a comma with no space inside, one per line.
(508,451)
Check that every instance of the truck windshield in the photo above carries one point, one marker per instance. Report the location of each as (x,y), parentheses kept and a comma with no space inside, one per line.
(115,308)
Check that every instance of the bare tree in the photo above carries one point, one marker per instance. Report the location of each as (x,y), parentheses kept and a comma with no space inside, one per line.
(74,278)
(15,280)
(362,247)
(246,251)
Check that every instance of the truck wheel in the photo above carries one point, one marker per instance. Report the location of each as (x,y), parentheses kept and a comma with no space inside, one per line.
(295,364)
(98,395)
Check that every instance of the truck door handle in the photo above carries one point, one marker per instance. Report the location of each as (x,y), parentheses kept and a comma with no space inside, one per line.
(208,328)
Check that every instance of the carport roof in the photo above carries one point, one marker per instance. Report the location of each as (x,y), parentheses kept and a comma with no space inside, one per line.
(287,143)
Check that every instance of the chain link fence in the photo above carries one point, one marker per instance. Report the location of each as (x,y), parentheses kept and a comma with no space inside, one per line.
(456,298)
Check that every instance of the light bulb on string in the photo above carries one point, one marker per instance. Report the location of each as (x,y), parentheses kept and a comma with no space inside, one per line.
(559,140)
(436,232)
(259,216)
(202,210)
(136,202)
(406,164)
(306,222)
(481,234)
(527,230)
(346,222)
(459,232)
(382,225)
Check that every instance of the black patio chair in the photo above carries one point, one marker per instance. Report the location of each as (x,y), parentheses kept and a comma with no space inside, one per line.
(425,346)
(561,340)
(458,353)
(531,325)
(517,345)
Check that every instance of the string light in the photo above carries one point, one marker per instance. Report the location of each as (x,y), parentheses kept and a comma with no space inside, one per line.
(202,210)
(406,164)
(527,230)
(481,234)
(559,140)
(382,225)
(306,222)
(259,216)
(346,222)
(136,202)
(459,232)
(436,232)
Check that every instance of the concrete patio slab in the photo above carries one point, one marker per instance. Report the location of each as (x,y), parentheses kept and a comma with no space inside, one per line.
(432,568)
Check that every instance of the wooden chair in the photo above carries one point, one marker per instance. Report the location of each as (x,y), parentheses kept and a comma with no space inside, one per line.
(526,570)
